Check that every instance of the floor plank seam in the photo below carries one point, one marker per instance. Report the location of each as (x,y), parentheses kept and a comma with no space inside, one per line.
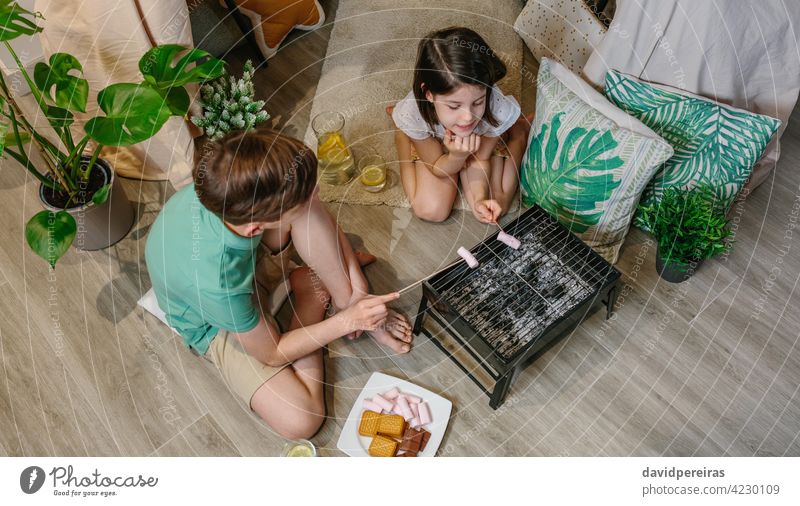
(179,433)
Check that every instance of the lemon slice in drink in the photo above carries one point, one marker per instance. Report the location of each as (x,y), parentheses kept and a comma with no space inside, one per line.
(372,175)
(299,451)
(332,148)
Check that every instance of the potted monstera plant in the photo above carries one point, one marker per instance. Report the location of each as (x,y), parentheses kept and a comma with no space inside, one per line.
(690,226)
(85,205)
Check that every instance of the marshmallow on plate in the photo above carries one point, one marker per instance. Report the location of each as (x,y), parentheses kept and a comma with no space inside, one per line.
(382,402)
(405,409)
(392,394)
(412,399)
(372,406)
(424,413)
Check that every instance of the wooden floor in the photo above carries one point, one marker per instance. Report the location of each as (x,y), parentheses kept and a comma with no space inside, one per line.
(707,368)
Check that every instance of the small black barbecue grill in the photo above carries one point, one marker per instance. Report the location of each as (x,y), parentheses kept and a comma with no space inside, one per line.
(498,316)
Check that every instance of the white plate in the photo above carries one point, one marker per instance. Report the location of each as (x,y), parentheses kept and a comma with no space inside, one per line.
(356,445)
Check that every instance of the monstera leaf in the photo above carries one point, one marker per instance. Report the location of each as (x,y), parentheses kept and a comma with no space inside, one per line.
(50,234)
(158,70)
(58,116)
(15,21)
(568,180)
(134,113)
(71,90)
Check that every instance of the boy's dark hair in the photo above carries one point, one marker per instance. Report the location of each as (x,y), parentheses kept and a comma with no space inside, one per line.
(449,58)
(254,176)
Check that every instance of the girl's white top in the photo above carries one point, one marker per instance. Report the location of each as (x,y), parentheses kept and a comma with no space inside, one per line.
(407,117)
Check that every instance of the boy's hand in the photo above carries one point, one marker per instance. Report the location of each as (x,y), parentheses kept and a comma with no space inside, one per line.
(461,147)
(368,313)
(487,211)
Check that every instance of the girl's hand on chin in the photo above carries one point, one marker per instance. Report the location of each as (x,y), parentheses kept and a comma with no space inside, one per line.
(461,146)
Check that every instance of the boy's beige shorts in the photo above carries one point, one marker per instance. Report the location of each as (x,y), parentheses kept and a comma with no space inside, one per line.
(243,373)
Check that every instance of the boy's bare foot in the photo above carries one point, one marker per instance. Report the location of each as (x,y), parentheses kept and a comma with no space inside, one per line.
(394,333)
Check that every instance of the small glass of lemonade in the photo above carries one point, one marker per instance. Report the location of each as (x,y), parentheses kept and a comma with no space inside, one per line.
(372,172)
(299,448)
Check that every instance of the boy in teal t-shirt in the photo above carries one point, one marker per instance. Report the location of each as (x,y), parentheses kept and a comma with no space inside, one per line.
(252,188)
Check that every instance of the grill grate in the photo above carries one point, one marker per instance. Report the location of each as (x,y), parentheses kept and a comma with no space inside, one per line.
(515,299)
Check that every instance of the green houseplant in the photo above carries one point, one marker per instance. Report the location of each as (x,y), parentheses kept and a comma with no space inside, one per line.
(74,181)
(690,226)
(229,104)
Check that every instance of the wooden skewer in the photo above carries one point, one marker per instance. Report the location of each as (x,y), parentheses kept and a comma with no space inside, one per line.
(415,283)
(429,276)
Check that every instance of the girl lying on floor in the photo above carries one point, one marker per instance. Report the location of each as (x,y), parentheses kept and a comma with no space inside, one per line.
(455,125)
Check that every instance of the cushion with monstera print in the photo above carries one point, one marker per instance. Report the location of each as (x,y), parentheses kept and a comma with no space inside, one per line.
(587,161)
(714,143)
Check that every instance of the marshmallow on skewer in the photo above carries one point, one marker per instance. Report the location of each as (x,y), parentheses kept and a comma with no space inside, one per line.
(508,240)
(468,257)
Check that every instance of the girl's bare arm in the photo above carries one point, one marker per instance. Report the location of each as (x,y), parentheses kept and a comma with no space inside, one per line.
(431,153)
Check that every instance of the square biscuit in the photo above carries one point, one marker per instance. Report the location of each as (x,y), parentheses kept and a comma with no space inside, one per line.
(369,423)
(382,447)
(391,425)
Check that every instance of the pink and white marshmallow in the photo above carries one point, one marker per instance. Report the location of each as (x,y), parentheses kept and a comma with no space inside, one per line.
(468,257)
(424,413)
(413,399)
(371,406)
(508,240)
(392,394)
(414,410)
(405,409)
(382,402)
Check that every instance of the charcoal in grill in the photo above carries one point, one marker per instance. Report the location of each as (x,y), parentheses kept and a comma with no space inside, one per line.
(497,317)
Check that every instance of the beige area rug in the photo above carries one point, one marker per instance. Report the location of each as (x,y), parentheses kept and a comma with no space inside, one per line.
(369,65)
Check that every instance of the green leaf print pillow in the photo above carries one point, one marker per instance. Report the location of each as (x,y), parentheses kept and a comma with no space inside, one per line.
(587,161)
(713,143)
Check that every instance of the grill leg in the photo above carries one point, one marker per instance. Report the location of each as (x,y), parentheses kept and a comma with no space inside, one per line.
(611,301)
(423,306)
(501,388)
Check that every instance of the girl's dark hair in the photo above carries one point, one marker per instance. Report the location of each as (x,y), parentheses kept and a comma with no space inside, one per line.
(449,58)
(254,176)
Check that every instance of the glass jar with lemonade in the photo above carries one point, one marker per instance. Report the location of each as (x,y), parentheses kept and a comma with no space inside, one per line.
(336,165)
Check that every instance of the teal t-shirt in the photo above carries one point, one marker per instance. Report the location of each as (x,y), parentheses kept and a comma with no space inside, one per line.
(202,272)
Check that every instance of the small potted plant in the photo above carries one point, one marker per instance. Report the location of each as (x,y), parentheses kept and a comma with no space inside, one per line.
(84,205)
(690,226)
(229,104)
